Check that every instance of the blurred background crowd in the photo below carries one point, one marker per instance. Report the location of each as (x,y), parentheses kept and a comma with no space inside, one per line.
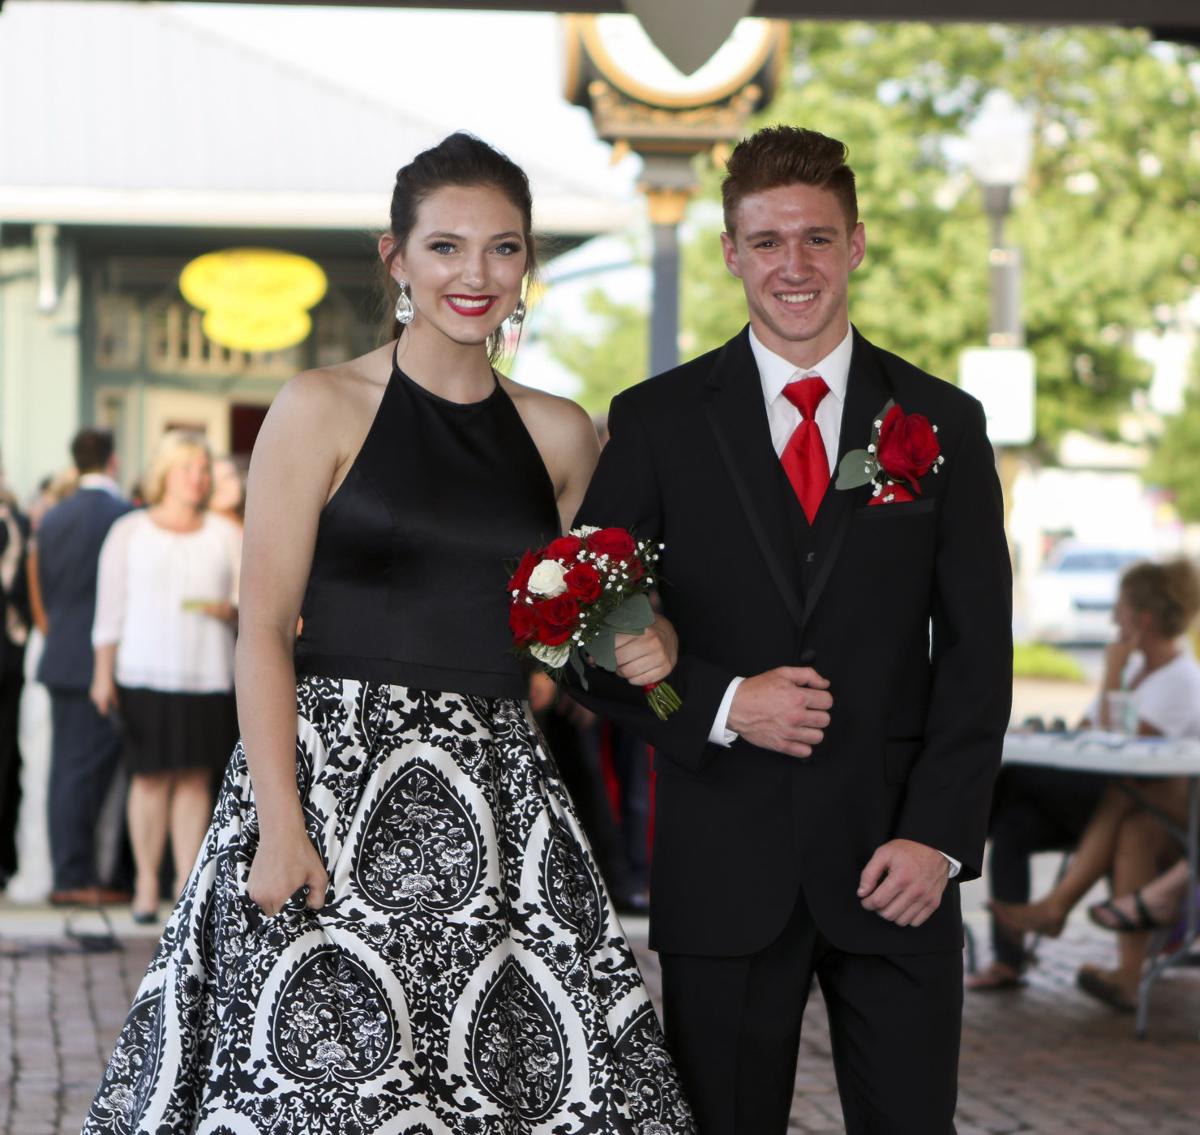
(117,709)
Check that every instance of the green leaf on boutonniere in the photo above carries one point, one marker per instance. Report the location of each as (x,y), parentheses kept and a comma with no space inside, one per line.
(857,468)
(861,466)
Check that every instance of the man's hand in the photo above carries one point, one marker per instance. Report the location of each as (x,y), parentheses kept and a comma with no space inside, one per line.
(785,710)
(649,657)
(904,881)
(103,694)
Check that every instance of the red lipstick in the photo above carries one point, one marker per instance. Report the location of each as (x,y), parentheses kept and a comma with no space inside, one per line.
(470,305)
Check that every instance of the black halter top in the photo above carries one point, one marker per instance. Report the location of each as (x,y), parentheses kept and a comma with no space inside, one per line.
(411,556)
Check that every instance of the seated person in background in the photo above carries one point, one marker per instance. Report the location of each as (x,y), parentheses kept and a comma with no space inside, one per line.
(1038,809)
(1033,809)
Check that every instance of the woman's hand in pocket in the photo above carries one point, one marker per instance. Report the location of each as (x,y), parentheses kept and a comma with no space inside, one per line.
(284,863)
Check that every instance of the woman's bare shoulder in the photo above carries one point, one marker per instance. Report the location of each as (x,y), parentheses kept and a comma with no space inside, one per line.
(330,393)
(559,416)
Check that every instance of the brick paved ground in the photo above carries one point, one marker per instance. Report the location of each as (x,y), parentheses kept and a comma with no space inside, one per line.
(1043,1061)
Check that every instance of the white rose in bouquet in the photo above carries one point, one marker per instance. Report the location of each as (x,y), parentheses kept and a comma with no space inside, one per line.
(546,579)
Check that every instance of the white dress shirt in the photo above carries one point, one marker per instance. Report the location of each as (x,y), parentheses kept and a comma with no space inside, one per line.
(775,372)
(100,481)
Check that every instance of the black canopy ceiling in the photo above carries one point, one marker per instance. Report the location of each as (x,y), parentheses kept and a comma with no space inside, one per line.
(1167,19)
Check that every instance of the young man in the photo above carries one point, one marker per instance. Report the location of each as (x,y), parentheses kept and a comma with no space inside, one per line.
(845,670)
(84,746)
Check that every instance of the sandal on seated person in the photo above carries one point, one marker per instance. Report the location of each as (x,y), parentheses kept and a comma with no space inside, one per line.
(1109,916)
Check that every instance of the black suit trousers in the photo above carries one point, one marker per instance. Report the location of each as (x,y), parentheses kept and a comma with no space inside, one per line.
(733,1027)
(1033,809)
(11,681)
(84,753)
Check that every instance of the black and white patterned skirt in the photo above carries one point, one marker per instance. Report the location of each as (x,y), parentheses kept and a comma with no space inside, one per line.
(465,975)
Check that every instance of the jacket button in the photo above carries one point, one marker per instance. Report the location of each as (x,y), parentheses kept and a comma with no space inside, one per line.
(808,656)
(808,559)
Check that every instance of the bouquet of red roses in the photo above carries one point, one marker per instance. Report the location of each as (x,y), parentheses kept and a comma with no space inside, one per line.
(577,594)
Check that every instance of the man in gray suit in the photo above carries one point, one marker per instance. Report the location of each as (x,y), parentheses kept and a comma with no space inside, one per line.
(85,745)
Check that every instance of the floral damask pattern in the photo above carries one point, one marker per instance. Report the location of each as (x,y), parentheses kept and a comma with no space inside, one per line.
(570,887)
(517,1048)
(331,1020)
(421,846)
(133,1069)
(652,1083)
(465,973)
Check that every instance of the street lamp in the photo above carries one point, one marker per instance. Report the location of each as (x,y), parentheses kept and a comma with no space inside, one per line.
(1000,141)
(640,100)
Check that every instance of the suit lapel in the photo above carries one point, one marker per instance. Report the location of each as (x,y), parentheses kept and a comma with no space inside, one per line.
(867,390)
(738,417)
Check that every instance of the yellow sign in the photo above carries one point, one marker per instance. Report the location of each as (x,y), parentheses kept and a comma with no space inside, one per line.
(254,299)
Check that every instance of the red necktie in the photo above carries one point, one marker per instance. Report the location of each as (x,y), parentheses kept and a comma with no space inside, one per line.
(803,457)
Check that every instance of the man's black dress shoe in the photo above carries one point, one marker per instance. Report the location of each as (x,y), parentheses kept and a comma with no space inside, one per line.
(89,896)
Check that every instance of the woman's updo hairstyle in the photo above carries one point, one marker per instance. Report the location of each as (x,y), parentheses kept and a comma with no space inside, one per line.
(1169,591)
(464,160)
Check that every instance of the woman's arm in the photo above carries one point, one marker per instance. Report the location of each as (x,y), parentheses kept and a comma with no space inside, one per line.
(567,441)
(296,459)
(109,619)
(225,610)
(37,608)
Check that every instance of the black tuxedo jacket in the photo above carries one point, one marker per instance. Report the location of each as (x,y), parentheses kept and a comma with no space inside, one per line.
(904,607)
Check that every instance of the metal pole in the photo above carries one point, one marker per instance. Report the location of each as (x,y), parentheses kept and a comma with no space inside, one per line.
(1005,328)
(664,304)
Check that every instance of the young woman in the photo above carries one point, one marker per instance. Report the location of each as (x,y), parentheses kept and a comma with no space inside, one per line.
(394,924)
(1152,660)
(166,608)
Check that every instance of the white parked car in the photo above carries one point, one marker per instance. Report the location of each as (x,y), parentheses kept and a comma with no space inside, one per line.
(1071,598)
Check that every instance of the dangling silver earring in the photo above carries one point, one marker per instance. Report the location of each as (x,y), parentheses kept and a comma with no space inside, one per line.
(405,312)
(518,314)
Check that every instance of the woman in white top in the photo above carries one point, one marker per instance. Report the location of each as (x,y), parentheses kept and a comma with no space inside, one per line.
(1153,661)
(166,608)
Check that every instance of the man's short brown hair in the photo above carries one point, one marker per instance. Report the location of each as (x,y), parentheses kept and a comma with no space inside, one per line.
(788,155)
(91,449)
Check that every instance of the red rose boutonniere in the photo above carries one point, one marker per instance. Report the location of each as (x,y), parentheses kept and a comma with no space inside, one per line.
(903,448)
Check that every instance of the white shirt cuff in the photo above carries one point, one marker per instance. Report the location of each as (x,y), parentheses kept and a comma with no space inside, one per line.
(955,866)
(719,734)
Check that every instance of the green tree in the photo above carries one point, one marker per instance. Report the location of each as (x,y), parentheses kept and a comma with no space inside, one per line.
(1175,461)
(1108,222)
(608,361)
